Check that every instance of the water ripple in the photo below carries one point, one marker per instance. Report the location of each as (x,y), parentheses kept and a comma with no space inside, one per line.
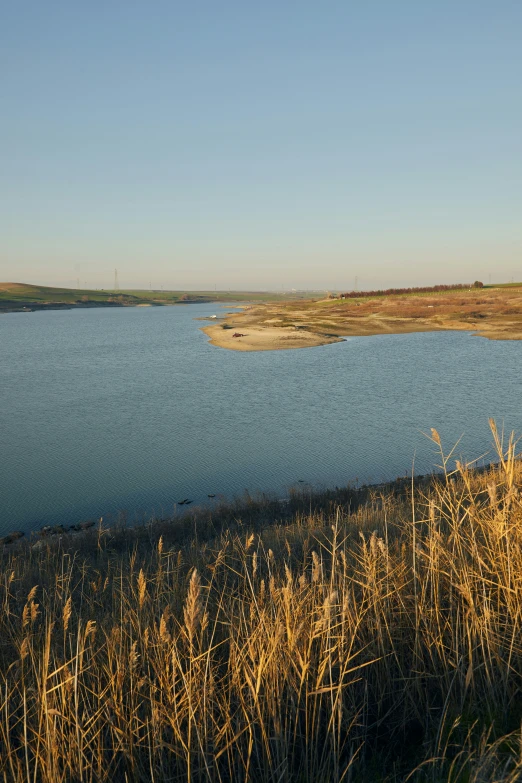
(104,410)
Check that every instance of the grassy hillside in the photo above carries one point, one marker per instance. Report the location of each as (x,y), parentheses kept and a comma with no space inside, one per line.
(20,297)
(494,312)
(370,635)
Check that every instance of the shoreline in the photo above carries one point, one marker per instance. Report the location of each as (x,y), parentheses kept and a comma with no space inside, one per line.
(39,308)
(260,337)
(264,338)
(300,495)
(308,324)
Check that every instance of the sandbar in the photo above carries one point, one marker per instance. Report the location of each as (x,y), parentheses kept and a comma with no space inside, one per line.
(492,313)
(264,338)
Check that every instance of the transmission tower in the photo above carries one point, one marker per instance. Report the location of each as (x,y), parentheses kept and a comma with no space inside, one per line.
(116,284)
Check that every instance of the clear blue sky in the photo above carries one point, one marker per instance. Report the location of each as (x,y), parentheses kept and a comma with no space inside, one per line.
(261,144)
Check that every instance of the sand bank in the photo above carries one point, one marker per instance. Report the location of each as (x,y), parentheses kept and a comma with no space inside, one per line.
(495,314)
(264,338)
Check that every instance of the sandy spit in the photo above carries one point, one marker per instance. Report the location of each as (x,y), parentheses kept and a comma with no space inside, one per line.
(264,338)
(495,314)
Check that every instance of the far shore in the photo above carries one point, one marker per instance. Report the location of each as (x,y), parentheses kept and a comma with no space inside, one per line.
(494,313)
(26,298)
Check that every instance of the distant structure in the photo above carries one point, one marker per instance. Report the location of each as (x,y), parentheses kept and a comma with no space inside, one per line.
(116,283)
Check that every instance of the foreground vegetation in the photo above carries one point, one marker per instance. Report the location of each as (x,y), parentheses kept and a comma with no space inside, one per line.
(351,636)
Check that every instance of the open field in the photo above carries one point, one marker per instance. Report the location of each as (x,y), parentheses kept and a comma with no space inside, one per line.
(493,312)
(357,635)
(19,297)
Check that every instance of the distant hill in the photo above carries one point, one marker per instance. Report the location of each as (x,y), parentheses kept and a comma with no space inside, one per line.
(18,287)
(23,297)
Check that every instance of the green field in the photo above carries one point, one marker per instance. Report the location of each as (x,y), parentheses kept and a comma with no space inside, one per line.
(16,297)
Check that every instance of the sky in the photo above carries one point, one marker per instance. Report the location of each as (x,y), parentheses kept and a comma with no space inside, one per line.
(260,145)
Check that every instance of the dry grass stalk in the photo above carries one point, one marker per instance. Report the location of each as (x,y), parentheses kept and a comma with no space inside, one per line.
(341,648)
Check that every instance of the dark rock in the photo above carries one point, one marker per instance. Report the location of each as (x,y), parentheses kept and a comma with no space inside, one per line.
(10,537)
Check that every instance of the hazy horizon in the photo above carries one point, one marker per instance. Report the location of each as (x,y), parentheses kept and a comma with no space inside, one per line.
(269,147)
(267,289)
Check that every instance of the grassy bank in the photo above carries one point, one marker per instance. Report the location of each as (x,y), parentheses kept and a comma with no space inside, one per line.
(355,636)
(16,297)
(495,313)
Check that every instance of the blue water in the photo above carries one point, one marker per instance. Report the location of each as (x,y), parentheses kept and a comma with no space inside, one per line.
(131,409)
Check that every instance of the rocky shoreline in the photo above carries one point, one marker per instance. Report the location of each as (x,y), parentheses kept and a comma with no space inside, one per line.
(47,531)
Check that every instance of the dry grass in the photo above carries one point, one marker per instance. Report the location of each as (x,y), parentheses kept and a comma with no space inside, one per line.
(493,313)
(381,642)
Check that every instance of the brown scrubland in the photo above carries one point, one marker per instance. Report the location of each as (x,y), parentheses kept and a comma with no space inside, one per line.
(495,313)
(368,634)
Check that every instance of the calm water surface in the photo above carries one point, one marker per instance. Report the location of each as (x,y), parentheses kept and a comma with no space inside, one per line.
(132,409)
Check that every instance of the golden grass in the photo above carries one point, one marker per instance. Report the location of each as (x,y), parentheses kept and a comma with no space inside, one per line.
(492,313)
(380,641)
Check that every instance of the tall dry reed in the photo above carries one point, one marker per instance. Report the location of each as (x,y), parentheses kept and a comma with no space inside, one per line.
(382,642)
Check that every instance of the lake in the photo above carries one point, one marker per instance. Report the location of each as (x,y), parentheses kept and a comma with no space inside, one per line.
(109,410)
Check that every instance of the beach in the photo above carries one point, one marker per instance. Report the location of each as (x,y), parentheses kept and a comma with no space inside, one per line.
(493,313)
